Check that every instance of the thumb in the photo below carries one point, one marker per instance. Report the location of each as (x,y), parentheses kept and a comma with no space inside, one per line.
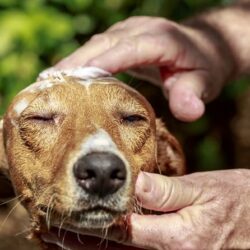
(165,194)
(187,92)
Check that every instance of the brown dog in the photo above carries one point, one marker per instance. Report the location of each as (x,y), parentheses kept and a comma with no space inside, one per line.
(75,145)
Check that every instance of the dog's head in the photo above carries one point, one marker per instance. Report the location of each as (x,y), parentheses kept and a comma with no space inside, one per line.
(75,146)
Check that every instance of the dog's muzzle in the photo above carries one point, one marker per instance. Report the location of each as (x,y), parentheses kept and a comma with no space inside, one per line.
(100,173)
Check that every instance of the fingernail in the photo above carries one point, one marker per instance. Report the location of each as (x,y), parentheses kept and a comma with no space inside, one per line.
(46,73)
(189,108)
(195,103)
(169,82)
(143,183)
(93,62)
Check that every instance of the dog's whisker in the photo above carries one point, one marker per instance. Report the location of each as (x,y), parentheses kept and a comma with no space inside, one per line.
(9,201)
(104,236)
(41,196)
(106,244)
(63,239)
(81,219)
(10,212)
(49,210)
(61,222)
(79,239)
(26,230)
(50,214)
(61,226)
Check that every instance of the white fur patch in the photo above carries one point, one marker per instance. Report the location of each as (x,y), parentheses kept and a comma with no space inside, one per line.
(39,86)
(101,141)
(84,73)
(21,106)
(1,124)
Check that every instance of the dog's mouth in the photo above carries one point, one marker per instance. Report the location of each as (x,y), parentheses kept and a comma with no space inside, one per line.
(97,217)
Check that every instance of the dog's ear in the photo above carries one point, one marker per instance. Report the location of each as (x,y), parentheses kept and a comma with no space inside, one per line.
(170,157)
(6,190)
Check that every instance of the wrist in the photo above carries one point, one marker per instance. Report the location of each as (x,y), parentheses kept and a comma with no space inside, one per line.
(228,29)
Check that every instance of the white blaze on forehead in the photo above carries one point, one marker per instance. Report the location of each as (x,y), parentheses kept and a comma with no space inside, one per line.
(39,86)
(100,141)
(83,73)
(21,106)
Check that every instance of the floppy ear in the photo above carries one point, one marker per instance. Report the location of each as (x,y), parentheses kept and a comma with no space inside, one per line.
(170,157)
(6,190)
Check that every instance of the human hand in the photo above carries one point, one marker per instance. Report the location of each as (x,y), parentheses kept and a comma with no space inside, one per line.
(194,65)
(209,210)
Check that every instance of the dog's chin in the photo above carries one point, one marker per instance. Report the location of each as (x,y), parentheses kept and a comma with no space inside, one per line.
(94,219)
(97,218)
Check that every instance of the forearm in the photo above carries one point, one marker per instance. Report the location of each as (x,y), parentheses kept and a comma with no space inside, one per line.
(230,27)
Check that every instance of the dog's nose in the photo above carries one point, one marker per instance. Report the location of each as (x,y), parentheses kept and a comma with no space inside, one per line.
(100,173)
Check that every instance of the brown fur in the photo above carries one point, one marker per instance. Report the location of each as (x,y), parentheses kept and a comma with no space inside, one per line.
(40,154)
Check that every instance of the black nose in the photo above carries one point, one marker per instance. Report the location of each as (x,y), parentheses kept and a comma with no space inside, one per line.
(100,173)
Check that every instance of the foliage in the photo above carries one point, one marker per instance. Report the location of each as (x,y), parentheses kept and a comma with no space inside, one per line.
(37,33)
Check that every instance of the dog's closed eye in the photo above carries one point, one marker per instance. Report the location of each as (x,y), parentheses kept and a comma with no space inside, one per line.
(133,118)
(43,118)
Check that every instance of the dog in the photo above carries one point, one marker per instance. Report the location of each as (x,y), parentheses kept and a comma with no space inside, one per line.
(73,144)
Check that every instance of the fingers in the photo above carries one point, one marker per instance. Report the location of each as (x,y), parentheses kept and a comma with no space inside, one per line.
(146,231)
(144,49)
(155,232)
(161,193)
(134,22)
(186,93)
(93,48)
(100,43)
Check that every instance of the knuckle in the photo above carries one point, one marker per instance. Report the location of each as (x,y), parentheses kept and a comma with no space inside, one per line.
(118,25)
(98,37)
(102,38)
(160,41)
(139,18)
(129,45)
(163,24)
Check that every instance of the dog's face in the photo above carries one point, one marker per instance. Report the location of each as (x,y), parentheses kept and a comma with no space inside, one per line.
(75,147)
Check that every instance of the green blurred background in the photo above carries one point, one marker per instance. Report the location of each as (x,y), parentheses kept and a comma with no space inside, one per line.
(35,34)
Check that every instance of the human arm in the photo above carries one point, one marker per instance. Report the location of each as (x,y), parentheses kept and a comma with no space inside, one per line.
(195,59)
